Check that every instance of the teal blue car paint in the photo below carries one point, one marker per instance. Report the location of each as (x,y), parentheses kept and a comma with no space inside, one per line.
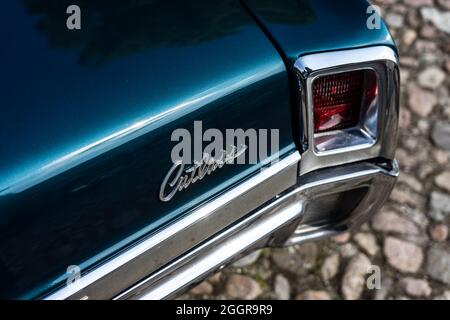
(302,27)
(89,118)
(87,115)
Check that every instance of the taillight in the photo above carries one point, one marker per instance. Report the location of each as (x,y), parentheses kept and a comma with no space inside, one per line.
(339,99)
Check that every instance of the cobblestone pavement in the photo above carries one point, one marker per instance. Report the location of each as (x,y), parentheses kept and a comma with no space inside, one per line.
(408,239)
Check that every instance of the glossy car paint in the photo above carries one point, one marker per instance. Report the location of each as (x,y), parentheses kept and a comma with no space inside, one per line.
(299,27)
(87,116)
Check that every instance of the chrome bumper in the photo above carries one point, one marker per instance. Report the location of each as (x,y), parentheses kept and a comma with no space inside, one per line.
(265,210)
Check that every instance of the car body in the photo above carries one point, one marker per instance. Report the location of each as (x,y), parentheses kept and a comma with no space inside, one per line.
(87,117)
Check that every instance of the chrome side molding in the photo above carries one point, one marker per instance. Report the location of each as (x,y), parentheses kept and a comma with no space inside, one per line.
(249,234)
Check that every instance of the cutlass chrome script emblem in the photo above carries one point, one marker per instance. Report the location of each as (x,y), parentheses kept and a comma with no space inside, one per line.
(179,178)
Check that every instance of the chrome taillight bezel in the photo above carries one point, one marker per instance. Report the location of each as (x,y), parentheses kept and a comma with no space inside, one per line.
(362,142)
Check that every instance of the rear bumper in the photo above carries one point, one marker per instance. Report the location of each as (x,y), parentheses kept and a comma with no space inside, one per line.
(274,208)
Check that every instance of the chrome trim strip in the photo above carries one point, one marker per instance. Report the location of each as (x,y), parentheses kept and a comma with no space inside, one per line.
(146,257)
(214,255)
(271,223)
(383,60)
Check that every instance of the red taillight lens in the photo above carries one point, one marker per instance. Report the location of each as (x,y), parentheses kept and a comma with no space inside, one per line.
(339,98)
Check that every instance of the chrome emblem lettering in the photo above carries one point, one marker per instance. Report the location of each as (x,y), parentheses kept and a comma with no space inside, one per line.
(179,178)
